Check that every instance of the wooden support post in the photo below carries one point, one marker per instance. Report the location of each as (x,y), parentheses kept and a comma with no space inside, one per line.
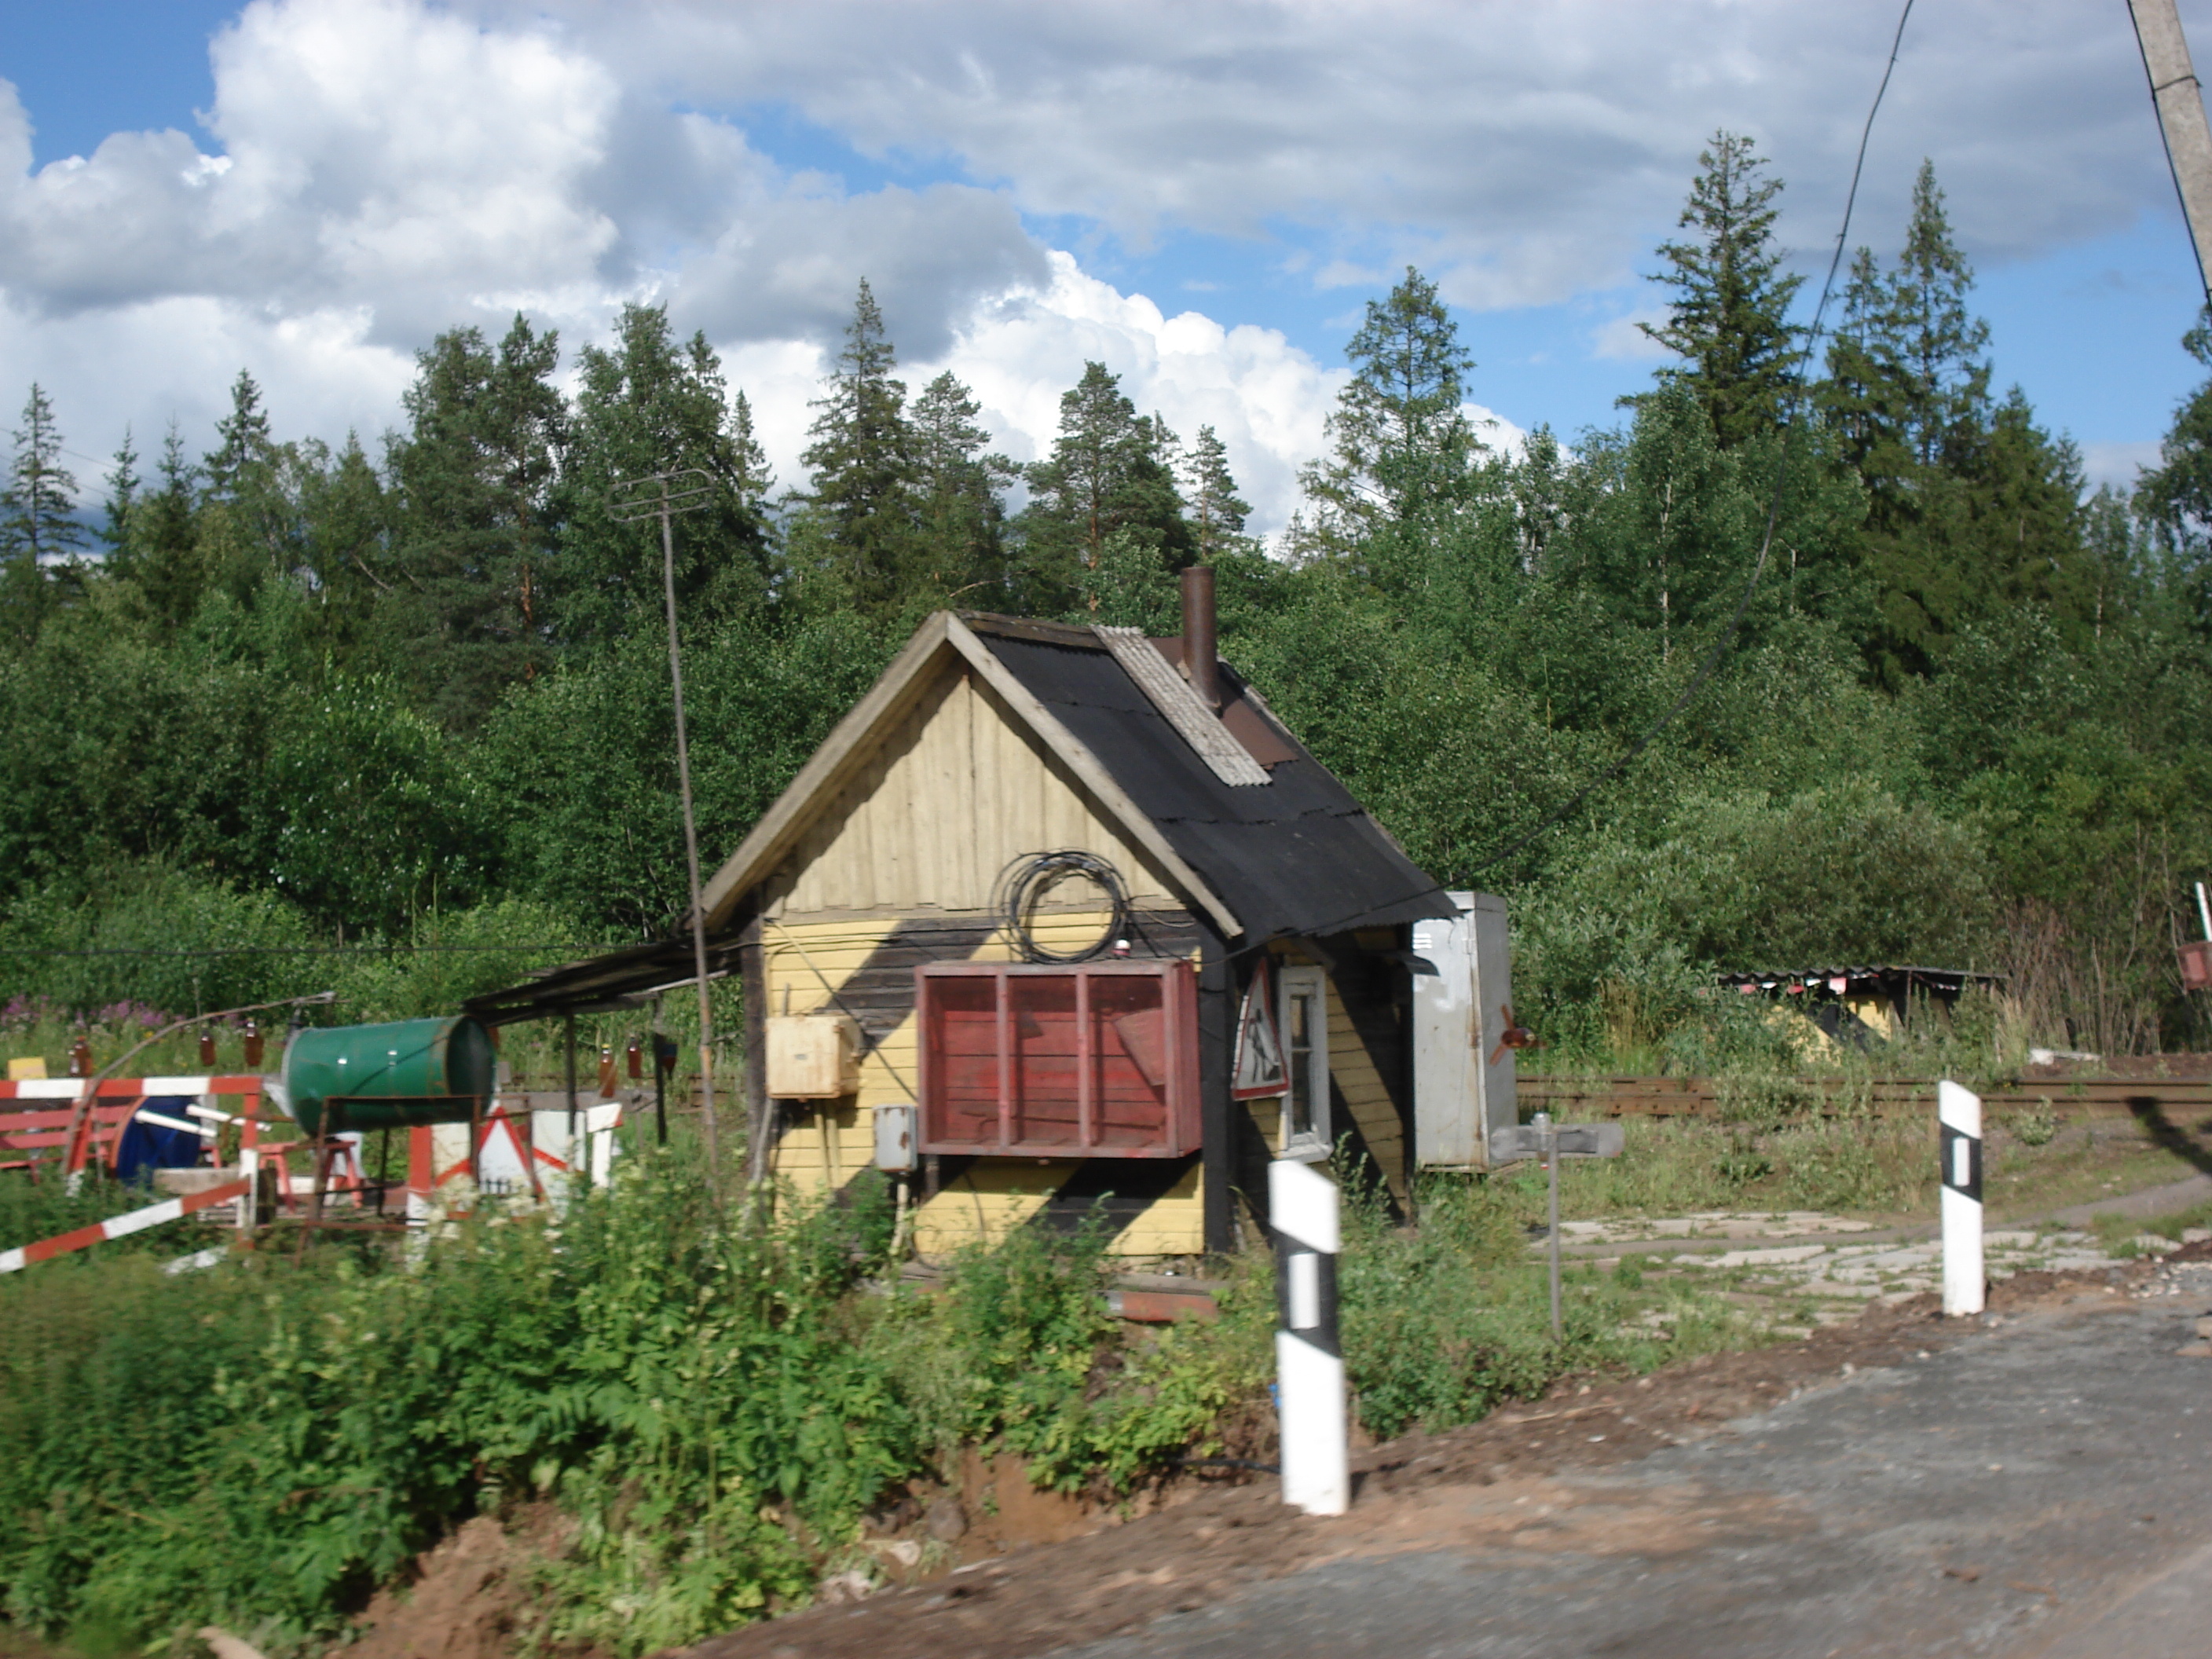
(1217,1035)
(760,1125)
(568,1022)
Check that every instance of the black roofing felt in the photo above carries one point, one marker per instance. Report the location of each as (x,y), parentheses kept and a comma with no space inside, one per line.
(1296,855)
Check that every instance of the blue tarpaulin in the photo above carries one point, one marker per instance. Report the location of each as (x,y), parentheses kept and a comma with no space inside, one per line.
(146,1147)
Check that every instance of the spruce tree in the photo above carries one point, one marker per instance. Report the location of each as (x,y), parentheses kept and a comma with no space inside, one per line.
(37,508)
(1971,506)
(122,486)
(960,499)
(2174,498)
(1401,447)
(863,461)
(164,561)
(245,449)
(37,528)
(1729,317)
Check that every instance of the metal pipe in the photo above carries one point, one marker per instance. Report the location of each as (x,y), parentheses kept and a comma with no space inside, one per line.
(2180,103)
(1201,651)
(659,1083)
(1547,1139)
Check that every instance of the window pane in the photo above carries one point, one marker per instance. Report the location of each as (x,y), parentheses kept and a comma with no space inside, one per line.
(1303,1121)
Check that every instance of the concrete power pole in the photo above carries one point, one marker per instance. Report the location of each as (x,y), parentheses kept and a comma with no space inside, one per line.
(2180,103)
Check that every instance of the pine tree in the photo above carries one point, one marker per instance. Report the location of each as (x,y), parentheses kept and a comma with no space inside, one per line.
(863,461)
(1107,472)
(475,476)
(1401,445)
(1728,319)
(1216,513)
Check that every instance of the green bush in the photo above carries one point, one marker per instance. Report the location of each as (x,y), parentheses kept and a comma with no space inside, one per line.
(152,933)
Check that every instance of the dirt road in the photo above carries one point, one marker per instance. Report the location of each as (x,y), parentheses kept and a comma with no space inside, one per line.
(2041,1486)
(2045,1489)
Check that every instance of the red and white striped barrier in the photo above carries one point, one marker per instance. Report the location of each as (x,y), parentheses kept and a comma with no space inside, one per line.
(119,1227)
(37,1114)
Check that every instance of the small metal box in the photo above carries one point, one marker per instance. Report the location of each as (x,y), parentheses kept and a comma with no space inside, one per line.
(812,1056)
(895,1138)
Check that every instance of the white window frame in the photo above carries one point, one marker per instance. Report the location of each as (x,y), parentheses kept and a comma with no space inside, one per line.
(1316,1144)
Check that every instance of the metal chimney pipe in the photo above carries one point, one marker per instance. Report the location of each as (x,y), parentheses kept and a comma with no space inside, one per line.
(1200,661)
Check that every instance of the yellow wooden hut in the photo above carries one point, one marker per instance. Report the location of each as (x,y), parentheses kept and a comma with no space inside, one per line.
(1060,921)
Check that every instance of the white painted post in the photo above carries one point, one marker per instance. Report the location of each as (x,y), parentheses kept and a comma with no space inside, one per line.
(249,1167)
(1303,1205)
(1959,1113)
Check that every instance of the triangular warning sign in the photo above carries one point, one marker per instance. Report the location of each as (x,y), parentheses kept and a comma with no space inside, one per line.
(1259,1070)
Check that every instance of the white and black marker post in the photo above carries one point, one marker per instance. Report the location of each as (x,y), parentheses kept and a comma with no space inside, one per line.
(1303,1207)
(1958,1111)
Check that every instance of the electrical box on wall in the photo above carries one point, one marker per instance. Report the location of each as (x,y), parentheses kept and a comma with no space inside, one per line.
(812,1056)
(1463,1081)
(897,1147)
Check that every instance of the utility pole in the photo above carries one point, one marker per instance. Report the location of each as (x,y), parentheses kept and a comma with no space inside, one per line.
(2180,101)
(663,495)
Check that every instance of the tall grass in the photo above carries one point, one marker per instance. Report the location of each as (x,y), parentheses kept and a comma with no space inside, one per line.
(716,1400)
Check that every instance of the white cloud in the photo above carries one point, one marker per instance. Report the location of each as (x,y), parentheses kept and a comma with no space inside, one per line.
(1263,396)
(375,171)
(1622,339)
(1521,152)
(2116,464)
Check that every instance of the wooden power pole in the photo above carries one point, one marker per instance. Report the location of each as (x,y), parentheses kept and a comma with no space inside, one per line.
(2180,103)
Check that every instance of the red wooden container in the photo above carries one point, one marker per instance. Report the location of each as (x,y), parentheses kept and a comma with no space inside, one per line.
(1096,1059)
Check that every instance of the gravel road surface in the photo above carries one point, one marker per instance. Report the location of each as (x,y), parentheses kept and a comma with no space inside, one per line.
(2041,1487)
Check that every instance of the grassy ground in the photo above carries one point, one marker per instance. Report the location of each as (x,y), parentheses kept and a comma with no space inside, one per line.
(1876,1169)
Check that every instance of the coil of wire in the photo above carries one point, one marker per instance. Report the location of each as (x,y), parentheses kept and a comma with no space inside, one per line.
(1027,881)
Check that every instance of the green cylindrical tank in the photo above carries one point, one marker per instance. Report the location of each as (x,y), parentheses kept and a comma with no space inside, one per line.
(390,1076)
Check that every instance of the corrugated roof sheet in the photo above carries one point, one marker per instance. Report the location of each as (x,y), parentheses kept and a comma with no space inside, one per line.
(1300,857)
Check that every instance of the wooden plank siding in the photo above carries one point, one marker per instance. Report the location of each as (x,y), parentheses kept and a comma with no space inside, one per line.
(958,793)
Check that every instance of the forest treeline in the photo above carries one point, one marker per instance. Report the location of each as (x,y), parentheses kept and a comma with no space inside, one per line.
(1940,701)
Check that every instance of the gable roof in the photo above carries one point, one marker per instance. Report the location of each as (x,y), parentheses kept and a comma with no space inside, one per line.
(1298,855)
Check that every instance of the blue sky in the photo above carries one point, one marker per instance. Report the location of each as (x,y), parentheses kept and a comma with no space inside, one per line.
(1027,189)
